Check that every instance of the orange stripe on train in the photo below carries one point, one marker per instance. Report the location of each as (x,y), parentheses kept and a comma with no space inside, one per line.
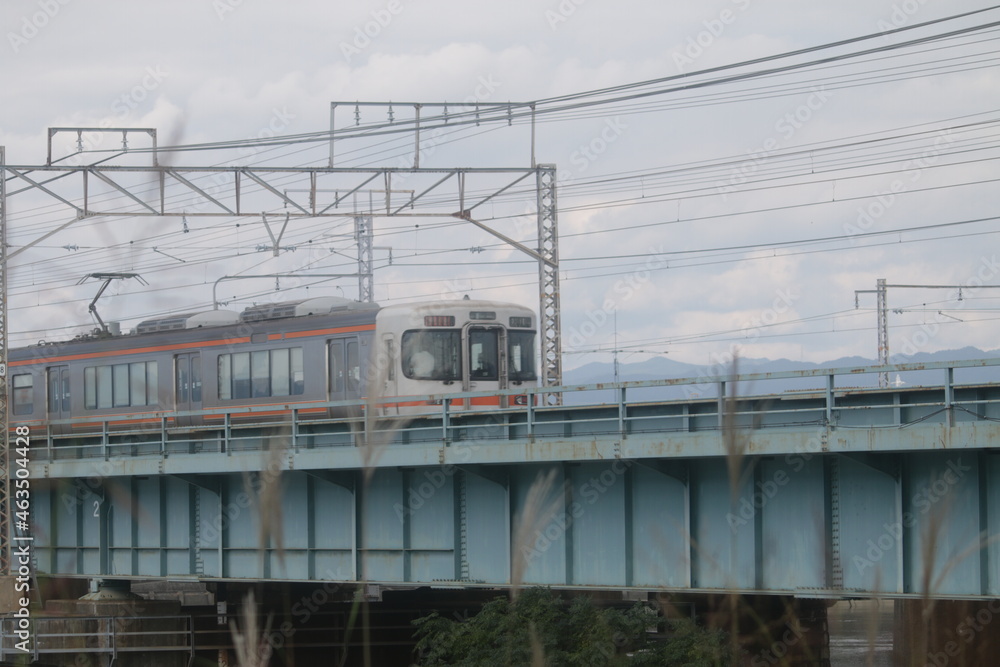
(189,346)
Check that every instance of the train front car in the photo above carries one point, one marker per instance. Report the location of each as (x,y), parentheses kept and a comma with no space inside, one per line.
(455,346)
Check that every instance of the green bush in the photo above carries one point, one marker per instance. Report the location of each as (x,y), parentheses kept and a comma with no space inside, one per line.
(541,629)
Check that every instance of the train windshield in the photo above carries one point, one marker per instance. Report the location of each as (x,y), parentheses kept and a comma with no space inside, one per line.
(432,354)
(521,353)
(483,347)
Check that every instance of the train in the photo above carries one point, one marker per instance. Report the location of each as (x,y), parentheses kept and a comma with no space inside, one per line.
(192,368)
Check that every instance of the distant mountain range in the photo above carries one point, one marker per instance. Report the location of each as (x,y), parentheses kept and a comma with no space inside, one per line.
(664,368)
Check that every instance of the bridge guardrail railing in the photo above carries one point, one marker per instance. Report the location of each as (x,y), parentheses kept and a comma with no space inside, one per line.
(828,397)
(97,635)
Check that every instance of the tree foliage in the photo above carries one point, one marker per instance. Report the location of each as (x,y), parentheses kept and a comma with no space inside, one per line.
(541,629)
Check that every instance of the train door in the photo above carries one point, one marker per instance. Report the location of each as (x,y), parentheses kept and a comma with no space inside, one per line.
(59,398)
(345,369)
(352,364)
(487,362)
(187,386)
(335,355)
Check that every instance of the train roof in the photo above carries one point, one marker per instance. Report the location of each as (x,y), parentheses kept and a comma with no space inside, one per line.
(195,320)
(303,308)
(281,317)
(207,326)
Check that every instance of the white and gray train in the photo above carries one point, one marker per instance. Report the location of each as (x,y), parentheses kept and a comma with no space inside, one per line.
(298,352)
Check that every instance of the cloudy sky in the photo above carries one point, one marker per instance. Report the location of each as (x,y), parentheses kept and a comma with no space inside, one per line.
(707,217)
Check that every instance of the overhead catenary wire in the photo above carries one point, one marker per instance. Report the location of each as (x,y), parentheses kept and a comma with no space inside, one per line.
(632,91)
(206,252)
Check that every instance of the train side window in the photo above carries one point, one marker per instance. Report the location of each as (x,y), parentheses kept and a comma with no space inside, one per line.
(120,385)
(281,373)
(90,388)
(241,375)
(298,372)
(119,380)
(225,376)
(24,394)
(259,374)
(103,386)
(137,384)
(152,383)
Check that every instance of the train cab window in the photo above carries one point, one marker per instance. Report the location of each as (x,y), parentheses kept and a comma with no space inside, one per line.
(24,394)
(120,385)
(484,358)
(432,354)
(262,373)
(521,356)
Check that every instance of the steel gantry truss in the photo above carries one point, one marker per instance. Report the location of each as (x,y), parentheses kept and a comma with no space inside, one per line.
(119,192)
(366,271)
(882,313)
(154,191)
(548,278)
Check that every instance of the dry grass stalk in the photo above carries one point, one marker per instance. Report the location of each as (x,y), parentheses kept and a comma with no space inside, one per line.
(537,511)
(251,645)
(271,528)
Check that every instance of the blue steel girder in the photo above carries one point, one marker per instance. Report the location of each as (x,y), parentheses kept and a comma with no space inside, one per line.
(647,495)
(612,524)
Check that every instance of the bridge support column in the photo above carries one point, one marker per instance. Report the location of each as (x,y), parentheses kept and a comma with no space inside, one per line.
(108,627)
(946,633)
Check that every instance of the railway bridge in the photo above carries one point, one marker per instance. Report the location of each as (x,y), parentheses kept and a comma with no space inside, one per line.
(799,485)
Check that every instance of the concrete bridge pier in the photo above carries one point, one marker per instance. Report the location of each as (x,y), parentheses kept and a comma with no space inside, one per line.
(109,626)
(946,633)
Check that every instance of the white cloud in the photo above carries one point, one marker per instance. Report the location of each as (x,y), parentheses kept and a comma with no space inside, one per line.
(266,68)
